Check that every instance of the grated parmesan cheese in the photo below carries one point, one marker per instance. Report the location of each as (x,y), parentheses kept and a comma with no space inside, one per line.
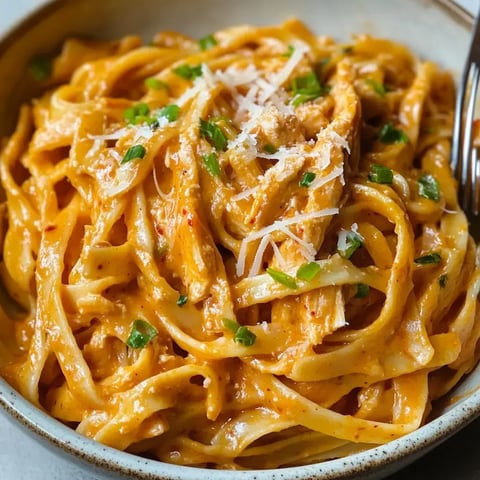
(275,226)
(244,194)
(321,181)
(278,255)
(257,261)
(117,134)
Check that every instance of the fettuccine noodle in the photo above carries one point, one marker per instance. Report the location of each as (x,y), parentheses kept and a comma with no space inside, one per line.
(244,252)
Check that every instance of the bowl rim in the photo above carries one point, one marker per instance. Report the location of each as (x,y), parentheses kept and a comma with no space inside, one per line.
(94,454)
(106,459)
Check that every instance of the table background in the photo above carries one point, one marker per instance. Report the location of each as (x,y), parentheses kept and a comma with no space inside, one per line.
(22,458)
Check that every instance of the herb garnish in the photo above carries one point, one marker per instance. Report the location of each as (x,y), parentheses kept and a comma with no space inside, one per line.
(137,151)
(307,88)
(241,333)
(141,334)
(428,187)
(429,259)
(308,271)
(207,42)
(389,134)
(210,161)
(380,174)
(213,134)
(283,278)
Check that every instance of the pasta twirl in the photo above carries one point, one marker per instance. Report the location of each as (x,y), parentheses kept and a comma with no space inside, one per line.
(243,252)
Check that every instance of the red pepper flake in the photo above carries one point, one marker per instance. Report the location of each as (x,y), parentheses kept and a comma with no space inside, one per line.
(50,228)
(189,216)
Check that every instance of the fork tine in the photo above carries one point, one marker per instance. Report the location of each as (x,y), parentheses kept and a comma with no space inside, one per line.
(476,184)
(464,158)
(469,170)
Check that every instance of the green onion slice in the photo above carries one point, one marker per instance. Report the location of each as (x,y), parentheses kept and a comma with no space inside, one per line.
(429,259)
(380,174)
(428,187)
(269,148)
(307,88)
(169,112)
(289,52)
(283,278)
(362,290)
(241,333)
(207,42)
(348,243)
(40,67)
(377,87)
(389,134)
(136,114)
(442,280)
(308,271)
(141,334)
(210,161)
(137,151)
(155,83)
(188,72)
(307,179)
(182,300)
(213,134)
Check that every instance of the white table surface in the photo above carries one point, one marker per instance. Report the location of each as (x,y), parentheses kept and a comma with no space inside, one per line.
(22,458)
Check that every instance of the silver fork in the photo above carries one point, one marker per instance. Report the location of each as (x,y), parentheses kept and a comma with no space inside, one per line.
(464,157)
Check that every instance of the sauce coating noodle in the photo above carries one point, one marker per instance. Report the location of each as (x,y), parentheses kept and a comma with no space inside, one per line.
(243,252)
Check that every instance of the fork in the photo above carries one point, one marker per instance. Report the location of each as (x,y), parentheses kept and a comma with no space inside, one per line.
(464,156)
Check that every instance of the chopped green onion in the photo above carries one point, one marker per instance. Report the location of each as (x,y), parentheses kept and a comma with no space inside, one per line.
(213,134)
(362,290)
(231,324)
(429,259)
(428,187)
(282,278)
(307,88)
(137,151)
(269,148)
(188,72)
(347,49)
(348,243)
(182,300)
(136,114)
(207,42)
(289,52)
(141,334)
(169,112)
(241,333)
(380,174)
(245,336)
(307,179)
(40,67)
(210,161)
(377,87)
(155,83)
(389,134)
(308,271)
(442,280)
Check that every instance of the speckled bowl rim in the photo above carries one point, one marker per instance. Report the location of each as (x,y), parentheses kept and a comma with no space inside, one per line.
(373,463)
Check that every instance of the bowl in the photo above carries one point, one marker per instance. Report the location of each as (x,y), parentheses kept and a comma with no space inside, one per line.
(423,26)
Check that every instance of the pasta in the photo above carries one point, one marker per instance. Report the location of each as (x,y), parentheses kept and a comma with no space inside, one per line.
(239,253)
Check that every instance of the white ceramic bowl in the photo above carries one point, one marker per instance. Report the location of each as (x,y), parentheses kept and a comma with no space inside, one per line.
(429,27)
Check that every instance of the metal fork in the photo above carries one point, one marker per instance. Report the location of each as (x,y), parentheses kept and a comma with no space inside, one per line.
(464,156)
